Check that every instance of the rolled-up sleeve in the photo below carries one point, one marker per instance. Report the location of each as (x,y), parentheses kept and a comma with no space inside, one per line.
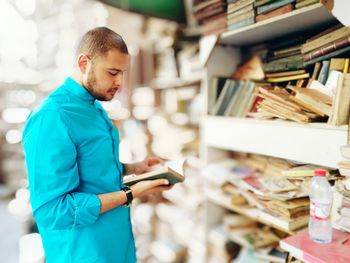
(51,160)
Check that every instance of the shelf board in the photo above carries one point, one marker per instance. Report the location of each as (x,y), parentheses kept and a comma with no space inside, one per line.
(295,21)
(315,143)
(224,201)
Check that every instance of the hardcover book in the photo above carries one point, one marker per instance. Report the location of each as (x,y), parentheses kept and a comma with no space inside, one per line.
(173,171)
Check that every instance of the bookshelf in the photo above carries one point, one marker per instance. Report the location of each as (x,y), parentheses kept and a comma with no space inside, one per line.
(295,21)
(314,143)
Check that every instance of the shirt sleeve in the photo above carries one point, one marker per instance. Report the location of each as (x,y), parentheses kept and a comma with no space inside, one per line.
(51,160)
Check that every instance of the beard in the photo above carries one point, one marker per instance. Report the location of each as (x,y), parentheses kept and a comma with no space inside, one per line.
(91,86)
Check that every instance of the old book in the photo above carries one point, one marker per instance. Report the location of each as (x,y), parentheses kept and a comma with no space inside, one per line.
(241,17)
(238,87)
(238,5)
(324,32)
(205,4)
(337,64)
(285,64)
(284,73)
(322,77)
(223,96)
(341,107)
(325,39)
(241,11)
(271,6)
(315,94)
(312,104)
(287,50)
(330,47)
(328,56)
(277,12)
(215,89)
(172,171)
(262,2)
(306,3)
(346,66)
(288,78)
(242,23)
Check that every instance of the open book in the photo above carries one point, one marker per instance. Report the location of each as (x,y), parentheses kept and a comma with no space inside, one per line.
(172,170)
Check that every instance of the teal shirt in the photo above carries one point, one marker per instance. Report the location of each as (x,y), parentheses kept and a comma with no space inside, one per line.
(71,152)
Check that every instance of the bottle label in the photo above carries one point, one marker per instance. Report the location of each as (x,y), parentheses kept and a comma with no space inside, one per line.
(320,211)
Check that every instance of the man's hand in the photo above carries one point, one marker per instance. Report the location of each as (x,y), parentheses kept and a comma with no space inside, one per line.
(142,167)
(148,187)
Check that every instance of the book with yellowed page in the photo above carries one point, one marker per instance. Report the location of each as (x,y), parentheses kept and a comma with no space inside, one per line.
(173,171)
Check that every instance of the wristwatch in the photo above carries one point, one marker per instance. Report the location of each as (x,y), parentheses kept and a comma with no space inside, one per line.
(129,195)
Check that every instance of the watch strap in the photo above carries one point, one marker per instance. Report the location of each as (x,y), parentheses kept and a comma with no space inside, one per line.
(129,195)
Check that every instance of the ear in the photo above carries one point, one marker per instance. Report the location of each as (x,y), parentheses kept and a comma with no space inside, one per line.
(83,62)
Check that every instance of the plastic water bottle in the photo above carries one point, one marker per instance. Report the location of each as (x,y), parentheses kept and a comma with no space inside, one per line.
(321,197)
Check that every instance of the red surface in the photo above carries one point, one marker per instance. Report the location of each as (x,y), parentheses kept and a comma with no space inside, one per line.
(322,253)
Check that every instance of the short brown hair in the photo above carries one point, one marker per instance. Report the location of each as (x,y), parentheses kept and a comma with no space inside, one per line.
(99,41)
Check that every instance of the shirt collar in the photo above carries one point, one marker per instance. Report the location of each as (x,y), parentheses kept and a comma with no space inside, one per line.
(78,90)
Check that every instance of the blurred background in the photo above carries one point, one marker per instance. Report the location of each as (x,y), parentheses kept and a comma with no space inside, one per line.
(157,112)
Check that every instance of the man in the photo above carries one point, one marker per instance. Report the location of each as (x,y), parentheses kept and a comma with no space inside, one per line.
(72,157)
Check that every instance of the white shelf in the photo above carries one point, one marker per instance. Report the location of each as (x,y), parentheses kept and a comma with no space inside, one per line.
(314,143)
(295,21)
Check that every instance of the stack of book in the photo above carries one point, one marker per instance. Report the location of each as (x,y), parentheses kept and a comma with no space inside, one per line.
(240,13)
(235,98)
(211,14)
(327,44)
(278,188)
(266,9)
(304,3)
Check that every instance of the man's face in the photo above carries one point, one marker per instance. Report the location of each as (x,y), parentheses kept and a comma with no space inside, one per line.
(104,75)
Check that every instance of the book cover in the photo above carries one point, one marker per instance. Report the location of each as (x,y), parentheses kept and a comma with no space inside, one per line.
(173,171)
(322,77)
(274,5)
(288,78)
(240,11)
(338,44)
(277,12)
(238,5)
(325,39)
(306,3)
(262,2)
(328,56)
(303,248)
(285,73)
(241,17)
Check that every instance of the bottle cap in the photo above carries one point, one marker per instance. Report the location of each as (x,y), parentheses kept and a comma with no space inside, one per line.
(320,172)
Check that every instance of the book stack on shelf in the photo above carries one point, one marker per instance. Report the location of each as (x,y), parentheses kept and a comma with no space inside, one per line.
(237,234)
(240,13)
(266,9)
(211,14)
(298,80)
(267,189)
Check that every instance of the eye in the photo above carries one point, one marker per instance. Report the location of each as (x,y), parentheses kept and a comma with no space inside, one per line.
(114,73)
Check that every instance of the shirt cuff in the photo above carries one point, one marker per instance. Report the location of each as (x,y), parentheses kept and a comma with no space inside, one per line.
(87,209)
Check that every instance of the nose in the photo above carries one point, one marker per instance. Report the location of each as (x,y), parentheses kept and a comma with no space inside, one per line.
(118,80)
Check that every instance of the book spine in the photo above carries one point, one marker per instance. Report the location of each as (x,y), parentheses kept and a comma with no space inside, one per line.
(327,48)
(242,23)
(325,39)
(272,6)
(241,17)
(327,56)
(279,11)
(238,5)
(306,3)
